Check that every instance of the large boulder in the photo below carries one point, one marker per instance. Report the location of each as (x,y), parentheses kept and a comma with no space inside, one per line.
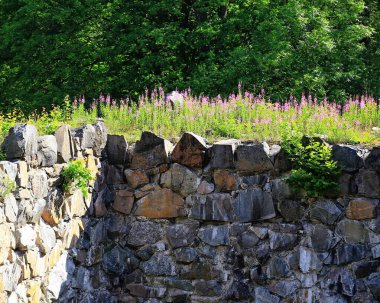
(368,182)
(151,151)
(223,152)
(347,158)
(21,142)
(47,150)
(253,158)
(116,149)
(191,150)
(65,144)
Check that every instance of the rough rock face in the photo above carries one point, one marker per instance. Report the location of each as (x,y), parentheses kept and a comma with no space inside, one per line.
(65,144)
(100,139)
(85,136)
(253,158)
(191,150)
(347,158)
(181,233)
(151,151)
(21,142)
(47,150)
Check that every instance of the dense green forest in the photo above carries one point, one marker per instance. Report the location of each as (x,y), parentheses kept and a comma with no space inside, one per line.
(53,48)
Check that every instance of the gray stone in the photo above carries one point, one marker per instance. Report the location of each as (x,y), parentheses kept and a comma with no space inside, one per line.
(159,265)
(322,239)
(258,180)
(65,144)
(39,183)
(262,295)
(21,142)
(308,260)
(373,284)
(368,182)
(46,238)
(144,291)
(144,232)
(376,251)
(185,254)
(372,161)
(25,237)
(10,275)
(85,136)
(248,239)
(30,211)
(352,231)
(208,288)
(253,204)
(280,189)
(205,188)
(100,139)
(281,241)
(346,253)
(182,234)
(214,235)
(340,280)
(182,180)
(213,207)
(8,169)
(253,158)
(151,151)
(115,260)
(364,268)
(284,289)
(114,174)
(278,268)
(10,208)
(347,158)
(47,150)
(116,149)
(291,210)
(325,211)
(178,283)
(191,150)
(222,153)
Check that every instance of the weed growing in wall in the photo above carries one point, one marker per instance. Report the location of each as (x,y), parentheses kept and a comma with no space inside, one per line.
(76,175)
(6,186)
(314,171)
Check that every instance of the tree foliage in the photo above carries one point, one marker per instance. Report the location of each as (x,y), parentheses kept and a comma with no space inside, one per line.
(53,48)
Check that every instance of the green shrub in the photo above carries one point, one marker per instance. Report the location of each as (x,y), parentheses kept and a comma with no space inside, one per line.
(314,172)
(6,186)
(76,175)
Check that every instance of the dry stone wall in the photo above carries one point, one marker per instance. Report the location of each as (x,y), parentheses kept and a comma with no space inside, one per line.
(187,222)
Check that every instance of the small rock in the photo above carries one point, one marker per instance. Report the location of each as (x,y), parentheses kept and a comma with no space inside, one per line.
(291,210)
(223,152)
(47,150)
(159,265)
(123,201)
(346,253)
(45,238)
(144,233)
(347,158)
(280,189)
(281,241)
(116,149)
(373,284)
(85,135)
(11,208)
(208,288)
(205,188)
(352,231)
(182,234)
(262,295)
(215,235)
(100,139)
(372,161)
(9,170)
(213,207)
(322,239)
(136,178)
(325,211)
(253,204)
(253,158)
(368,182)
(190,151)
(225,180)
(39,183)
(25,237)
(65,144)
(162,203)
(21,142)
(362,208)
(185,254)
(284,289)
(151,151)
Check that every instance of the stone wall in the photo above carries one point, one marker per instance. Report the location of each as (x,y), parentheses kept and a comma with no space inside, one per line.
(200,223)
(39,223)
